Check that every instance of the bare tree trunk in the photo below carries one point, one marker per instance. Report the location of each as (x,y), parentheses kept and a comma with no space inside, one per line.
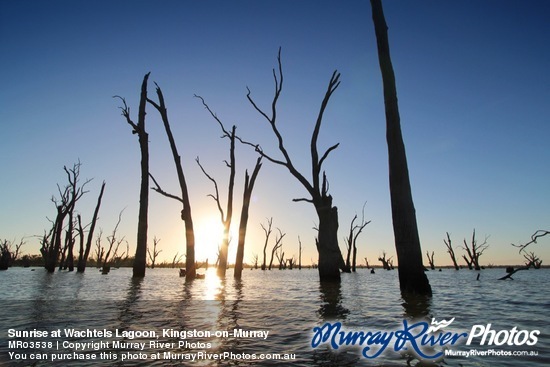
(412,278)
(186,215)
(267,232)
(451,251)
(330,256)
(431,259)
(85,252)
(154,254)
(248,187)
(140,260)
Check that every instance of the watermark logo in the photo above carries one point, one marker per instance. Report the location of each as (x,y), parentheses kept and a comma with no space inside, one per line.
(425,339)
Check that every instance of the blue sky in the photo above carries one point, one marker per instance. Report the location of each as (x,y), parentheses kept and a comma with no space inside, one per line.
(473,87)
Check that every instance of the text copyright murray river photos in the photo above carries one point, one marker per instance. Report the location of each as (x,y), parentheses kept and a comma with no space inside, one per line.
(132,345)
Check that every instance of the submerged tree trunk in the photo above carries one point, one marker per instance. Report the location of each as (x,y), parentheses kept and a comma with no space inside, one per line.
(330,257)
(248,187)
(407,242)
(186,215)
(140,261)
(85,251)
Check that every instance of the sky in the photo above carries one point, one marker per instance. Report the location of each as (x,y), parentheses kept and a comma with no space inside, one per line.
(473,84)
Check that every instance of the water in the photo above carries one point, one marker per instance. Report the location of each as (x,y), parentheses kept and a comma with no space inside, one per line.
(288,304)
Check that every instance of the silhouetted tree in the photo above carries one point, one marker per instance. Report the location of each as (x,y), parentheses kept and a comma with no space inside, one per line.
(85,249)
(267,232)
(114,244)
(255,260)
(177,259)
(532,260)
(474,251)
(431,259)
(140,261)
(278,244)
(412,278)
(247,194)
(451,251)
(186,215)
(385,262)
(330,256)
(7,254)
(65,204)
(225,216)
(99,249)
(155,253)
(281,258)
(351,240)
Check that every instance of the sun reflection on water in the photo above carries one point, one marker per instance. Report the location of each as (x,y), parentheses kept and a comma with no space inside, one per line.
(213,286)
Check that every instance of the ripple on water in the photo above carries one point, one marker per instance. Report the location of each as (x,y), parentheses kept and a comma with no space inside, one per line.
(287,303)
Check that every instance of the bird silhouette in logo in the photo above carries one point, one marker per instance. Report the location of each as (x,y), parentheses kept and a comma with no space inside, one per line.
(435,326)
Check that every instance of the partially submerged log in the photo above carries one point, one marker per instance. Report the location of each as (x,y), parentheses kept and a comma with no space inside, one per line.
(509,275)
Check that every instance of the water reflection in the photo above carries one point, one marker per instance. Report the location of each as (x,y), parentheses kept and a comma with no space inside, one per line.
(331,301)
(416,306)
(129,311)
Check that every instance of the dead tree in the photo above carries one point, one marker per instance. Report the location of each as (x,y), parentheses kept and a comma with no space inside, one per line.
(291,262)
(67,255)
(7,254)
(155,253)
(451,251)
(267,232)
(412,278)
(226,215)
(118,260)
(247,194)
(330,256)
(248,187)
(85,249)
(532,260)
(177,259)
(113,246)
(277,246)
(186,215)
(99,250)
(385,262)
(351,240)
(431,259)
(468,261)
(281,258)
(474,251)
(255,260)
(367,263)
(51,243)
(140,260)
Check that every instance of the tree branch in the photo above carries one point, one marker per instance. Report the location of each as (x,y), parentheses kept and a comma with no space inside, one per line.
(216,197)
(162,192)
(539,233)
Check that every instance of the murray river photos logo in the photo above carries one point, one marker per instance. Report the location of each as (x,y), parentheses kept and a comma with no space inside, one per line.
(424,339)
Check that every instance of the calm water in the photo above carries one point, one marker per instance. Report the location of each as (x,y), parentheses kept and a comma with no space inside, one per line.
(288,304)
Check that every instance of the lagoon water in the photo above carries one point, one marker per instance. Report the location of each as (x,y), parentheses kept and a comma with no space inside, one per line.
(287,303)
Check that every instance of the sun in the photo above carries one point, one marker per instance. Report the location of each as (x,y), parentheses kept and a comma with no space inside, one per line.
(208,237)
